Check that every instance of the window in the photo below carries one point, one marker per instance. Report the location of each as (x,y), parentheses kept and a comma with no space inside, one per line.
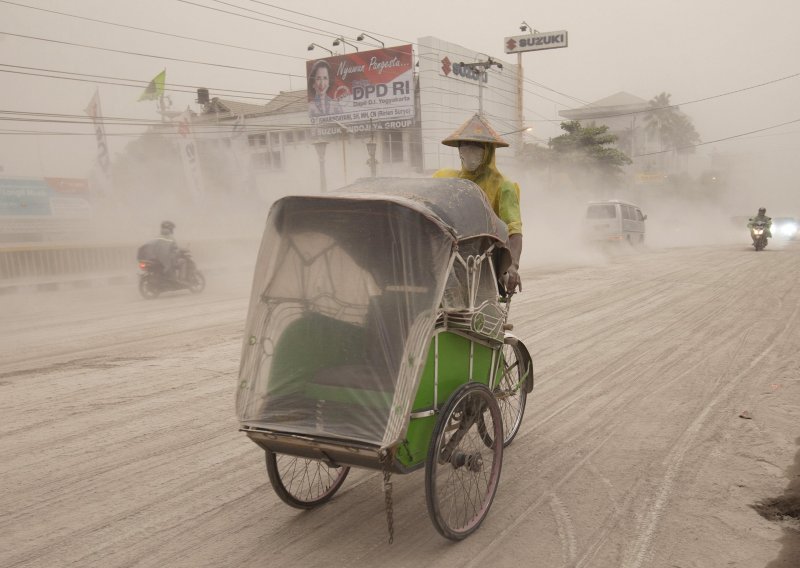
(605,211)
(627,212)
(256,140)
(275,158)
(268,154)
(639,215)
(392,146)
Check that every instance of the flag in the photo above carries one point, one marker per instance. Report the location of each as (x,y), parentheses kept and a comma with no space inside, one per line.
(188,151)
(103,160)
(155,89)
(238,152)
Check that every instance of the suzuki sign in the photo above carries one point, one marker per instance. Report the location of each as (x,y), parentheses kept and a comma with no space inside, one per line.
(536,41)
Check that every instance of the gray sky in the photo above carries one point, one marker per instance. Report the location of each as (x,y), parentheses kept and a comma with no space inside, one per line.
(692,49)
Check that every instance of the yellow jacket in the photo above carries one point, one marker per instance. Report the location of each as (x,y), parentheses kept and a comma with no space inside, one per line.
(503,195)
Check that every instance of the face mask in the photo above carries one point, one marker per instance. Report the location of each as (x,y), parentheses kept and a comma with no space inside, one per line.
(471,156)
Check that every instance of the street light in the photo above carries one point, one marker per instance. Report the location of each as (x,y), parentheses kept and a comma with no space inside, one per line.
(526,129)
(320,147)
(344,41)
(344,130)
(364,34)
(523,27)
(312,45)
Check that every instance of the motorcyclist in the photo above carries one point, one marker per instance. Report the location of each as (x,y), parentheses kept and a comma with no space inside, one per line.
(166,250)
(476,141)
(761,218)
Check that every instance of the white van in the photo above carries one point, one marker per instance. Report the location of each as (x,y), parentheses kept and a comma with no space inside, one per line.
(614,220)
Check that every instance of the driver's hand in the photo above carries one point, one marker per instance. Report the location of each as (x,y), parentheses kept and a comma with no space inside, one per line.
(513,281)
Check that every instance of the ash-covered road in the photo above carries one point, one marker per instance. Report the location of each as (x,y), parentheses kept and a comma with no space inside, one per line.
(119,444)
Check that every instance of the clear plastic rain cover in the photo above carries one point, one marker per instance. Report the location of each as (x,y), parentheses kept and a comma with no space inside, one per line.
(342,310)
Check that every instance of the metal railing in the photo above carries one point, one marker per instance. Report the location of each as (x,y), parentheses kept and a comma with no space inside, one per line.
(47,261)
(36,262)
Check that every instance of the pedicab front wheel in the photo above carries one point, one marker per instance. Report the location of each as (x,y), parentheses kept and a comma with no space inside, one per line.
(511,392)
(301,482)
(463,469)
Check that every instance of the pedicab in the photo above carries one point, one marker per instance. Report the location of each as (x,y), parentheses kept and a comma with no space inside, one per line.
(377,337)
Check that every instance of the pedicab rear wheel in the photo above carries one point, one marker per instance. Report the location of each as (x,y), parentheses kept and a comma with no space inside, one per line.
(463,470)
(301,482)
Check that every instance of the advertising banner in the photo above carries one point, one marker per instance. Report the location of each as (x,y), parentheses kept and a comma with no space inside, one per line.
(362,90)
(47,197)
(188,152)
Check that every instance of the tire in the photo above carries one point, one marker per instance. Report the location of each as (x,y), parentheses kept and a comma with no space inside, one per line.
(510,392)
(301,482)
(198,282)
(147,290)
(462,471)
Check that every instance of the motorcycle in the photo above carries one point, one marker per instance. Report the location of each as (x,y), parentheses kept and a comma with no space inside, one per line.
(153,281)
(758,232)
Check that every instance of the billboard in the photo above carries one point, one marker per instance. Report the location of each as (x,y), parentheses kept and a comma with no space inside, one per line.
(449,95)
(536,41)
(45,197)
(362,90)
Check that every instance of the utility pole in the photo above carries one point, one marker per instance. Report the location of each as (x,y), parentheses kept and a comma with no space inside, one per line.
(320,147)
(481,67)
(371,146)
(520,111)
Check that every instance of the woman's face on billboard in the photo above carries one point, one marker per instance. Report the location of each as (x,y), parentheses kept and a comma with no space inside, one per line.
(321,81)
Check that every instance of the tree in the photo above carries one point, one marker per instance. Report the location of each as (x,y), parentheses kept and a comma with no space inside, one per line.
(589,150)
(584,154)
(682,135)
(673,129)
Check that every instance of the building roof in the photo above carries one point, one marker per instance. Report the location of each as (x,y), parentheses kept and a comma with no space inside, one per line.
(283,103)
(617,103)
(226,109)
(288,101)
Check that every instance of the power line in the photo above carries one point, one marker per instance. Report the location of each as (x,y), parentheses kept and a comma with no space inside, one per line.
(306,28)
(332,34)
(210,42)
(725,94)
(95,81)
(163,57)
(720,139)
(301,29)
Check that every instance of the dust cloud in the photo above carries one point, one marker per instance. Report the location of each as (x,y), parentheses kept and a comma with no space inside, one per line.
(705,210)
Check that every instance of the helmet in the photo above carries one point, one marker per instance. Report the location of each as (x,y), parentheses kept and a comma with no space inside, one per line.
(762,210)
(168,226)
(476,129)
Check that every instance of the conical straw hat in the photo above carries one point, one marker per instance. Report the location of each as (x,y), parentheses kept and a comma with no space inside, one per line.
(476,129)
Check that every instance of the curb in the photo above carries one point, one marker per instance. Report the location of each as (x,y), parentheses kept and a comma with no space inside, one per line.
(69,284)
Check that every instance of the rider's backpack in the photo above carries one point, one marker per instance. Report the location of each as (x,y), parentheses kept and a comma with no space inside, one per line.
(147,251)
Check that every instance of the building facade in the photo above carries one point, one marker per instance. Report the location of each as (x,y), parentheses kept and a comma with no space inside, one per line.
(276,149)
